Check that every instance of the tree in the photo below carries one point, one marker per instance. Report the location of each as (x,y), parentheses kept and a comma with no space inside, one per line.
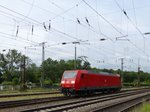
(1,80)
(49,69)
(9,63)
(53,69)
(32,73)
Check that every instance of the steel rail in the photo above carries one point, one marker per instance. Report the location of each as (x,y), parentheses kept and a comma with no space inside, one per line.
(29,94)
(18,103)
(83,102)
(123,105)
(9,104)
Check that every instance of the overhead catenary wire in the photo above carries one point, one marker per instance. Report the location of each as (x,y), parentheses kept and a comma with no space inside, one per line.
(57,5)
(31,42)
(41,8)
(98,19)
(59,15)
(28,11)
(82,24)
(53,29)
(79,22)
(39,22)
(102,17)
(125,13)
(134,12)
(8,14)
(47,25)
(61,32)
(101,50)
(111,23)
(65,11)
(37,35)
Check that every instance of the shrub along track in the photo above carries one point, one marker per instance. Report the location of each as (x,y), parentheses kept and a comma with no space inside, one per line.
(85,103)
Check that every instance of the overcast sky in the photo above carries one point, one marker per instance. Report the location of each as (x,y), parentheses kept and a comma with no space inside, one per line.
(122,23)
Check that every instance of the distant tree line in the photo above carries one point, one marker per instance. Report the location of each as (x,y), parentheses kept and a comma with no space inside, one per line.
(11,71)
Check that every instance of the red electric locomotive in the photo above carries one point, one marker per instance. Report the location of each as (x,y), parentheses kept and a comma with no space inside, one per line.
(85,82)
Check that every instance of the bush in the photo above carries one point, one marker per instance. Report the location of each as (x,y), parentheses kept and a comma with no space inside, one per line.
(128,84)
(145,108)
(48,82)
(15,81)
(145,84)
(56,84)
(135,84)
(7,83)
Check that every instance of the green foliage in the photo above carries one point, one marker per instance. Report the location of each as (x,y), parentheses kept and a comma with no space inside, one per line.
(7,83)
(108,70)
(145,108)
(135,82)
(144,84)
(15,81)
(53,70)
(10,64)
(129,84)
(48,82)
(56,84)
(33,73)
(1,79)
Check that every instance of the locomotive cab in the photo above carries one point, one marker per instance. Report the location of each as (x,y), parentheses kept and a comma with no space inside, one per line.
(83,82)
(68,82)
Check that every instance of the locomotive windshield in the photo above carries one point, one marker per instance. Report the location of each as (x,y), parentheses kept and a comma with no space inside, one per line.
(69,74)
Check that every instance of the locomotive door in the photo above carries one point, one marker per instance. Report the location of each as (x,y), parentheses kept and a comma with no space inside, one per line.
(105,82)
(84,81)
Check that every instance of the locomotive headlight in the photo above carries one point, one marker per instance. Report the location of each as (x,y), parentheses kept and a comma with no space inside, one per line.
(72,82)
(62,82)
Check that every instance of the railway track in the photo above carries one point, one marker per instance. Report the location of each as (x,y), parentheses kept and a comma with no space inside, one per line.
(29,94)
(45,102)
(133,105)
(43,93)
(9,104)
(85,102)
(124,105)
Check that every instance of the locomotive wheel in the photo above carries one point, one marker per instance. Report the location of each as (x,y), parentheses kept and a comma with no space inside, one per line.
(65,94)
(69,94)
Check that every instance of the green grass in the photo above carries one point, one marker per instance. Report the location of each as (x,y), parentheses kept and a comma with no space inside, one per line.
(33,90)
(29,97)
(145,107)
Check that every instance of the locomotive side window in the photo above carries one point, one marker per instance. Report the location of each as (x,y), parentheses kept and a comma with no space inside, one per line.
(69,74)
(82,75)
